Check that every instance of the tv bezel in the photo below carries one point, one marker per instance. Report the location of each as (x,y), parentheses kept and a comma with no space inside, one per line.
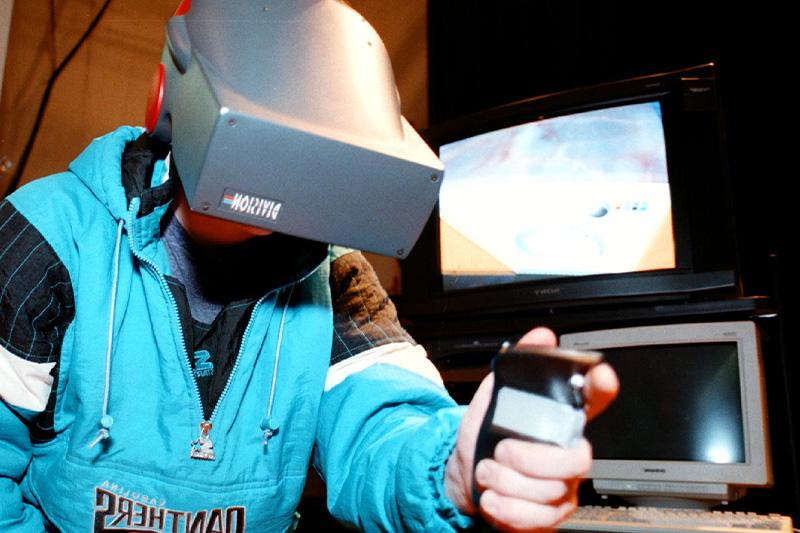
(621,476)
(679,92)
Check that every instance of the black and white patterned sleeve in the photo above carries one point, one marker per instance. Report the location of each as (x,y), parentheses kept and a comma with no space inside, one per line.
(366,328)
(36,307)
(363,315)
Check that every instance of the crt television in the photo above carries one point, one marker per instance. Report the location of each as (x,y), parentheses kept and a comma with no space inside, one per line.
(610,192)
(690,421)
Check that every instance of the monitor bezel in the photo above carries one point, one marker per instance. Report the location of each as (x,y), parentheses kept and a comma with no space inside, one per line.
(756,470)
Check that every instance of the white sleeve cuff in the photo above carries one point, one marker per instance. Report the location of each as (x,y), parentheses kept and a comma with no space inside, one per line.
(24,383)
(402,354)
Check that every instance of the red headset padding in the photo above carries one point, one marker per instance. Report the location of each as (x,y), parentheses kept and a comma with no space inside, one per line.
(183,8)
(155,99)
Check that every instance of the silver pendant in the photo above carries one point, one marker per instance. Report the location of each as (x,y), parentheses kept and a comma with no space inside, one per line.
(202,447)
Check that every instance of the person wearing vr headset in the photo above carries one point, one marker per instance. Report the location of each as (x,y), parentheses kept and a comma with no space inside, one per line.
(178,338)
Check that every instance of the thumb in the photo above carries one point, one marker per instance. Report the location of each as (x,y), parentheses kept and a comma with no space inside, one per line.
(539,337)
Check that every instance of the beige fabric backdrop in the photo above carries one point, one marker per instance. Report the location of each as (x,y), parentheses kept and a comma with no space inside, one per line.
(106,83)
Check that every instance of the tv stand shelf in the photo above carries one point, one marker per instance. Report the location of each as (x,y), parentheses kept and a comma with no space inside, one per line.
(474,332)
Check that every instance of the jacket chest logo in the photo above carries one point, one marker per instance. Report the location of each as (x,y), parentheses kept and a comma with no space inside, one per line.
(115,512)
(203,367)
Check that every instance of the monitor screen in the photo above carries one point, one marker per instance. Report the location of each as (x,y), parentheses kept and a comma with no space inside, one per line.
(690,417)
(679,402)
(578,194)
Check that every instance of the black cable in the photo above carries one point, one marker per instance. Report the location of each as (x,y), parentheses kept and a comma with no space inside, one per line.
(23,160)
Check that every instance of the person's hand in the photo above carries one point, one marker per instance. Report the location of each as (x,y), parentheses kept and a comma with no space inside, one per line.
(527,486)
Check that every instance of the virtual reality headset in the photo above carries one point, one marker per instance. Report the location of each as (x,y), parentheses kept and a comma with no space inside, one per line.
(284,114)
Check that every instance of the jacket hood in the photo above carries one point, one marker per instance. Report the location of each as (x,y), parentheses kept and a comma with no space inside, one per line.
(99,166)
(118,168)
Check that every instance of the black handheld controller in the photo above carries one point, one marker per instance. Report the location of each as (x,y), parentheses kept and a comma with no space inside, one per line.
(537,397)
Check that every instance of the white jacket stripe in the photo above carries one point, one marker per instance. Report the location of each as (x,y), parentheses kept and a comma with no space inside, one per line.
(403,354)
(24,384)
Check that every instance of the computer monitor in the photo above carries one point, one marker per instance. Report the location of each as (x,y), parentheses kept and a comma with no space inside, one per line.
(690,422)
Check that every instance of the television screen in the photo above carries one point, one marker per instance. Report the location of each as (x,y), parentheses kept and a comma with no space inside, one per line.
(579,194)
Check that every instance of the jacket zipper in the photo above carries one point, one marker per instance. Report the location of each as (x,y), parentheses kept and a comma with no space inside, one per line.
(208,424)
(202,447)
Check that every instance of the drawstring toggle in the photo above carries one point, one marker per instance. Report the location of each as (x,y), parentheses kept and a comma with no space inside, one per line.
(103,433)
(269,431)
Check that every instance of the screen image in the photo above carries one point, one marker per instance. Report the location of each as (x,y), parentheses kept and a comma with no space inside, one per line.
(679,402)
(579,194)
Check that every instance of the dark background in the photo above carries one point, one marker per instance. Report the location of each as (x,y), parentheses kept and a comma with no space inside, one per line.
(484,54)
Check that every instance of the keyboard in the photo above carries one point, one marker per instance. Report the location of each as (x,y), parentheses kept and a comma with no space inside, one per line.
(653,519)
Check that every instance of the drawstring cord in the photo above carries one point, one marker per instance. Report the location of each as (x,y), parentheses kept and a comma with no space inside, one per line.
(266,424)
(106,420)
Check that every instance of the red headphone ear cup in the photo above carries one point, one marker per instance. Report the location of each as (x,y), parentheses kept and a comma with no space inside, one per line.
(183,8)
(155,99)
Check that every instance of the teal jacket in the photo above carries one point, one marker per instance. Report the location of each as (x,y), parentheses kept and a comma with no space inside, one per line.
(124,411)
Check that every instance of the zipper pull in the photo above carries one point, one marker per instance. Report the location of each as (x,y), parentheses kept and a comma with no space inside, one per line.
(202,447)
